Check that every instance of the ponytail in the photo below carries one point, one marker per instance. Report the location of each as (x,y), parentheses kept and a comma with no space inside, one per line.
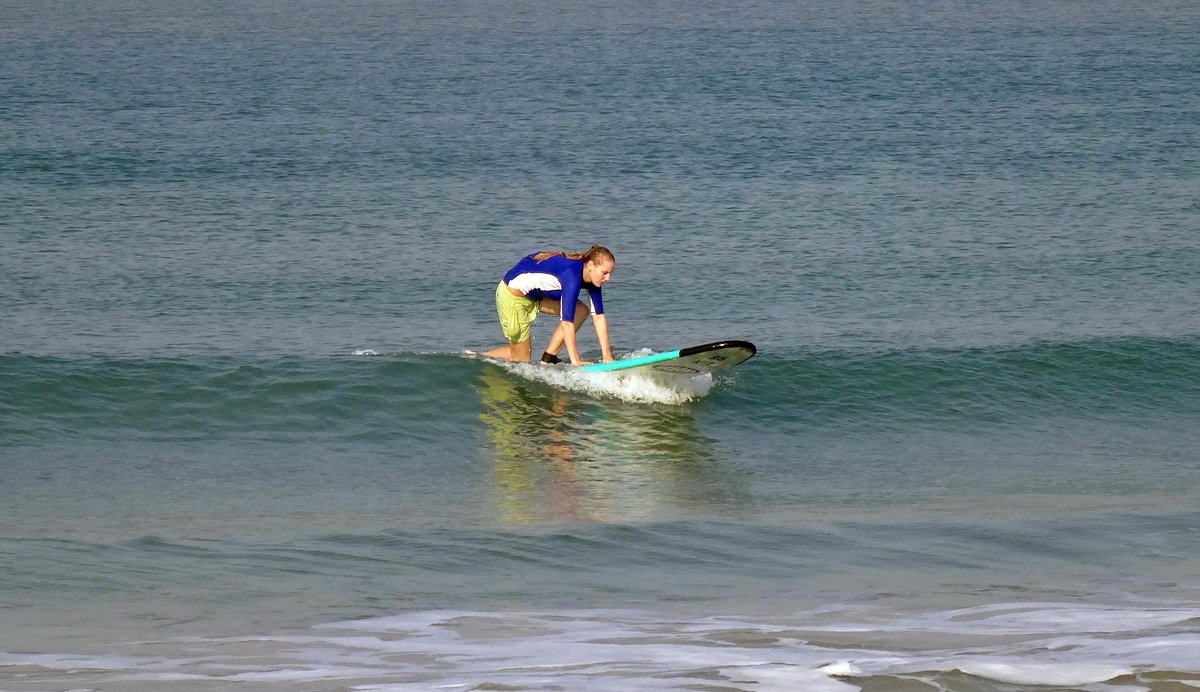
(596,253)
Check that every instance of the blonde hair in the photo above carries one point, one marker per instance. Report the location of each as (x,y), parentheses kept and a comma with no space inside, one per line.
(596,253)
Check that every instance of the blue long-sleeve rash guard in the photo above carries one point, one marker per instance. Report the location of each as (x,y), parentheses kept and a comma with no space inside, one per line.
(559,278)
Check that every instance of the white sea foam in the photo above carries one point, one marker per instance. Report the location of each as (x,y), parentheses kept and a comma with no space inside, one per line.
(1067,674)
(639,388)
(1055,644)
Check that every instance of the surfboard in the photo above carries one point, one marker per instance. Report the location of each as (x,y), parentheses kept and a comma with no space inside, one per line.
(694,360)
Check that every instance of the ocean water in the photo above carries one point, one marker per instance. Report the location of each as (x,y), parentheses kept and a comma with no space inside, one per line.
(243,246)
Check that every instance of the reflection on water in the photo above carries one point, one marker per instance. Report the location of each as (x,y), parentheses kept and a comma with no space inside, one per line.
(562,456)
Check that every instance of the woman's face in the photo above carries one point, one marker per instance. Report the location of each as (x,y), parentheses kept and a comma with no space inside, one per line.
(598,273)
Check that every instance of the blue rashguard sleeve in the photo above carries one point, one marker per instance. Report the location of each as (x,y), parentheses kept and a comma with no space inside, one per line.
(597,299)
(567,307)
(571,283)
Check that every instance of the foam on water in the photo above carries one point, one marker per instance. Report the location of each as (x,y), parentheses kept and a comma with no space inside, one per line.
(833,648)
(659,388)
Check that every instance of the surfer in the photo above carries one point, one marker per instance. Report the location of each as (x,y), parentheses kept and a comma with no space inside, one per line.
(550,282)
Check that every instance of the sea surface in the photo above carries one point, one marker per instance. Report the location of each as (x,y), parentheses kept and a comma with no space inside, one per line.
(244,245)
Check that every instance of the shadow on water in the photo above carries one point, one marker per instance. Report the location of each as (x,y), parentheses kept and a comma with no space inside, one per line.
(562,456)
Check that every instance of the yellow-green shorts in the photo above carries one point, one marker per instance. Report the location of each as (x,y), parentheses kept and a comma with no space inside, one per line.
(517,314)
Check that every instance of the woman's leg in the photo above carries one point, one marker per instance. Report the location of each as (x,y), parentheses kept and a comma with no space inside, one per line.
(581,314)
(516,316)
(519,351)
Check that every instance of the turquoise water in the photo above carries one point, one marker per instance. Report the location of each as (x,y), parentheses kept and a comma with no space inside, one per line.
(245,246)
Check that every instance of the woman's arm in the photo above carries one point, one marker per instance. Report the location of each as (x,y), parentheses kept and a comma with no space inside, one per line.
(568,333)
(601,324)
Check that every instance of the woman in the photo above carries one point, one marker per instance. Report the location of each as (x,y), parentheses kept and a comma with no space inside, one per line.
(550,282)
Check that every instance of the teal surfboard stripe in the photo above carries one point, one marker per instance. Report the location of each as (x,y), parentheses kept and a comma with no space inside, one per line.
(631,362)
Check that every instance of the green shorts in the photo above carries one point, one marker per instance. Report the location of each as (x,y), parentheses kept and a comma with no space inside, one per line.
(516,314)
